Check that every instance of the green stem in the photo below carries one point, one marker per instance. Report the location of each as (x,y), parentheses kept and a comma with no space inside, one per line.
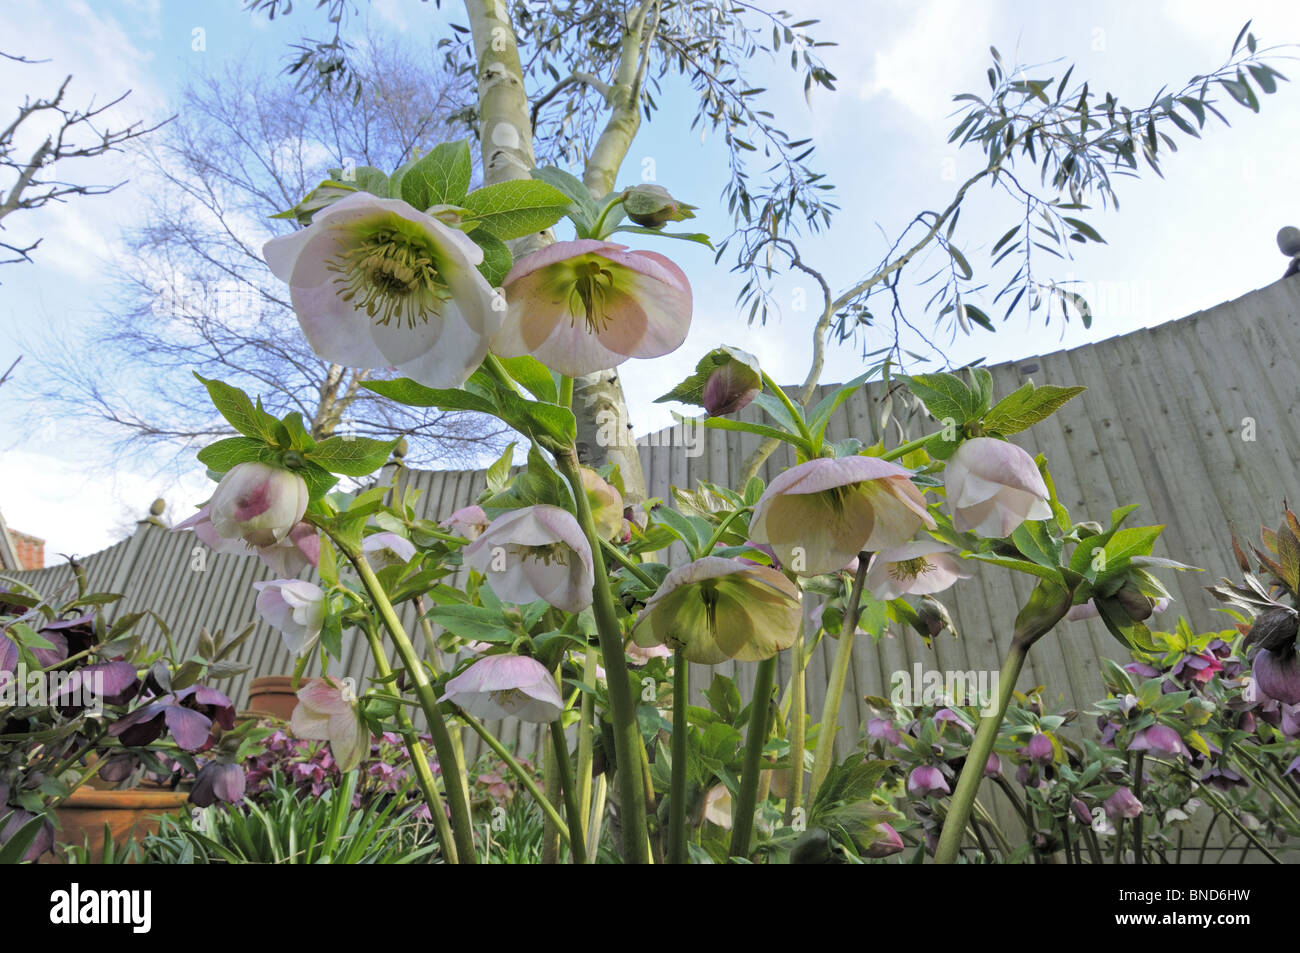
(722,528)
(566,391)
(577,846)
(627,734)
(628,563)
(462,824)
(904,449)
(677,785)
(1138,766)
(586,753)
(742,817)
(423,773)
(972,772)
(597,230)
(518,771)
(796,413)
(795,734)
(839,675)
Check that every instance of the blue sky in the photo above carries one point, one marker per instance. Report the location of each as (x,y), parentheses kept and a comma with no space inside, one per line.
(1202,235)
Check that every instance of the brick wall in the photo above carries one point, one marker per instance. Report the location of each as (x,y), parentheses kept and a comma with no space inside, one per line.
(29,550)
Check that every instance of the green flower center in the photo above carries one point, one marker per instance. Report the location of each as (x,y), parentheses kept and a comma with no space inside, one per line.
(549,553)
(592,291)
(390,273)
(908,569)
(508,698)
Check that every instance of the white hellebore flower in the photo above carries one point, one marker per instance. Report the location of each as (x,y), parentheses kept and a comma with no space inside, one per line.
(507,686)
(993,486)
(295,607)
(537,552)
(918,568)
(328,711)
(377,283)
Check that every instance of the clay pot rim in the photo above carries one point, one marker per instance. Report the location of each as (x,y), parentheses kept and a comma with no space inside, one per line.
(277,683)
(131,799)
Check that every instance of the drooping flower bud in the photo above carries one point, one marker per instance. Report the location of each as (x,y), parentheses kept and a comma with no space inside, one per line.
(257,503)
(1274,630)
(653,206)
(328,710)
(296,608)
(1040,747)
(1122,805)
(1159,739)
(732,384)
(888,844)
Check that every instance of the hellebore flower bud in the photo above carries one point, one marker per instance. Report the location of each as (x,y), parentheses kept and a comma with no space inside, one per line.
(732,384)
(606,503)
(257,503)
(993,767)
(1040,748)
(652,206)
(814,847)
(1274,630)
(993,486)
(890,843)
(1081,813)
(1138,605)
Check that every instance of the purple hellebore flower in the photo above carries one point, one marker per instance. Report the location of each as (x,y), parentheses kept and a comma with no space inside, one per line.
(1223,779)
(1040,748)
(17,820)
(188,715)
(1277,675)
(218,781)
(926,780)
(993,767)
(1122,804)
(1159,739)
(883,729)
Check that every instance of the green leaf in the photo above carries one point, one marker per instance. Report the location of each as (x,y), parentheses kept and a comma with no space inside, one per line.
(517,208)
(820,416)
(439,178)
(233,404)
(1020,565)
(406,391)
(762,430)
(372,180)
(1038,545)
(1026,406)
(475,623)
(497,259)
(352,456)
(549,423)
(534,375)
(224,454)
(584,210)
(699,238)
(498,475)
(20,841)
(724,697)
(319,480)
(945,396)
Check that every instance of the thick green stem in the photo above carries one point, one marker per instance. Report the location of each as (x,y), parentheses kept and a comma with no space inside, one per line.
(972,773)
(628,748)
(1138,767)
(742,817)
(677,786)
(572,810)
(462,824)
(517,769)
(423,773)
(794,794)
(586,753)
(839,676)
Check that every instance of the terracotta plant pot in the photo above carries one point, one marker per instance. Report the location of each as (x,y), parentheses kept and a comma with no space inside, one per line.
(128,814)
(274,695)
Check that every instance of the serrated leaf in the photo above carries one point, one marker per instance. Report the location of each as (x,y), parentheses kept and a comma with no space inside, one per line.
(352,456)
(224,454)
(517,208)
(406,391)
(497,260)
(1027,406)
(234,405)
(439,178)
(945,396)
(534,375)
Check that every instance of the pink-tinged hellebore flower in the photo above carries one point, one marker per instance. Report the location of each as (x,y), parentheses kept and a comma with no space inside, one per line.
(642,654)
(993,767)
(328,711)
(585,306)
(819,515)
(387,549)
(717,806)
(917,568)
(218,781)
(285,557)
(883,729)
(717,608)
(1040,748)
(926,780)
(886,845)
(733,384)
(1160,739)
(296,608)
(606,503)
(1122,805)
(993,486)
(537,552)
(376,283)
(257,503)
(468,521)
(507,686)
